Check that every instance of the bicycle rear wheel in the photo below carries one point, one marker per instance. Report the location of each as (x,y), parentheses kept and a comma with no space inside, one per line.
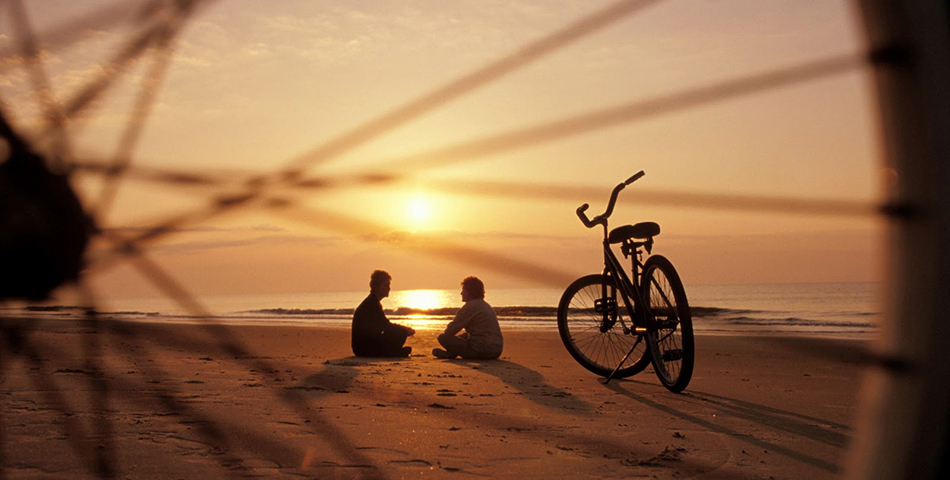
(670,325)
(591,327)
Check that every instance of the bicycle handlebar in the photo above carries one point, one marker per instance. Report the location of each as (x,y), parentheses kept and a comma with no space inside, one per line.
(602,218)
(634,178)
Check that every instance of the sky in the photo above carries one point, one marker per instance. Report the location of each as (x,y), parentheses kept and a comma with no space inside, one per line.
(457,186)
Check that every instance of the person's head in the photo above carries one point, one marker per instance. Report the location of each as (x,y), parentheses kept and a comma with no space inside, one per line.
(472,288)
(379,283)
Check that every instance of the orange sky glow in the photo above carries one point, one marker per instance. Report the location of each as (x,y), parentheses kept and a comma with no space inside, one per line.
(464,187)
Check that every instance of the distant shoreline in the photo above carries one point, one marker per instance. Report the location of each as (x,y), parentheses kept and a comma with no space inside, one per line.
(706,321)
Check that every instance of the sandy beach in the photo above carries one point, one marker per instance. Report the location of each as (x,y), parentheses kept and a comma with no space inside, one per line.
(147,400)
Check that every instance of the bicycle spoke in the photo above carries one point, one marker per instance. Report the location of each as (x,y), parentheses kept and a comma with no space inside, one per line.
(134,127)
(154,175)
(480,77)
(42,88)
(99,19)
(634,111)
(692,199)
(582,330)
(665,295)
(118,65)
(432,246)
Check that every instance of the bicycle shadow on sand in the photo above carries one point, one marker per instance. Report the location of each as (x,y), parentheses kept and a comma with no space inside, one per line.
(770,417)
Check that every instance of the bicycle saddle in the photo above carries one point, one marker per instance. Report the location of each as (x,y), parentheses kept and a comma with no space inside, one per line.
(641,230)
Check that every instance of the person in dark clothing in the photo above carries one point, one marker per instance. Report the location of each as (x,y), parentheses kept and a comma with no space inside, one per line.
(373,335)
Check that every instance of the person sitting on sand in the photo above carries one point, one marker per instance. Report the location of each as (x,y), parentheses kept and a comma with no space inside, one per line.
(373,335)
(482,338)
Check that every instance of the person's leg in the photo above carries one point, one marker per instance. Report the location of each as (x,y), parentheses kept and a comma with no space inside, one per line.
(473,354)
(485,356)
(456,347)
(385,345)
(393,344)
(368,346)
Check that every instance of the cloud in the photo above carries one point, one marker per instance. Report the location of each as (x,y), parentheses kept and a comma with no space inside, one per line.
(201,229)
(258,49)
(262,243)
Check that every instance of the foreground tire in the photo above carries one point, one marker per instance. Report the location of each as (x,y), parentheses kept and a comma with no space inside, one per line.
(670,324)
(595,337)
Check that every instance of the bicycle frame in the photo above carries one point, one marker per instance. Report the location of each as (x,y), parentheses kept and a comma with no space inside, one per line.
(612,266)
(629,290)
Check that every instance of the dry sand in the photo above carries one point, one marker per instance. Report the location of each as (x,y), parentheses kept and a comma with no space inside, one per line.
(129,400)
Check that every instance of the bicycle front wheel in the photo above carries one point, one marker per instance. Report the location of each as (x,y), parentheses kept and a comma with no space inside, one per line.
(592,324)
(669,324)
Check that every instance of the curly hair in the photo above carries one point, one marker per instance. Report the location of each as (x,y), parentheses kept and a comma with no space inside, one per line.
(378,278)
(474,287)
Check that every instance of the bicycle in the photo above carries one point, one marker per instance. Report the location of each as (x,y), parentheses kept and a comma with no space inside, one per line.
(655,325)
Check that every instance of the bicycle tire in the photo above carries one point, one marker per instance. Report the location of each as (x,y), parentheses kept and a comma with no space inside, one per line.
(669,324)
(596,346)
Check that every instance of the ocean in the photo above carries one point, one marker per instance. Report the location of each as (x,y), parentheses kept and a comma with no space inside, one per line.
(828,309)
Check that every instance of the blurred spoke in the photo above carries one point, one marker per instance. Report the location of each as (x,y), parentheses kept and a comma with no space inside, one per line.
(483,76)
(631,112)
(77,436)
(41,86)
(120,62)
(143,106)
(155,175)
(69,32)
(667,198)
(432,246)
(124,248)
(99,387)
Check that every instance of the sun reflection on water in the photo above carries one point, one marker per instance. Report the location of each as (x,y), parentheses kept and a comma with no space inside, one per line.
(421,299)
(420,302)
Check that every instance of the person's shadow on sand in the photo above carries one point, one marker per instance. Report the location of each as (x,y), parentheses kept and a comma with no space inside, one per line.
(528,382)
(337,374)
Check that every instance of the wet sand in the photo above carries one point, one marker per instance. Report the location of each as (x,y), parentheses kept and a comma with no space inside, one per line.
(145,400)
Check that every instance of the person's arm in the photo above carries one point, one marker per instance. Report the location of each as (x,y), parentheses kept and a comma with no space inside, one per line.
(391,327)
(461,320)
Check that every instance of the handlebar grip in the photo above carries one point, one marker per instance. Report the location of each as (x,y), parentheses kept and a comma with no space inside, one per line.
(634,178)
(602,218)
(583,216)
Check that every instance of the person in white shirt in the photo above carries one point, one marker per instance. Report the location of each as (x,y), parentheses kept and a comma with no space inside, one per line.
(481,338)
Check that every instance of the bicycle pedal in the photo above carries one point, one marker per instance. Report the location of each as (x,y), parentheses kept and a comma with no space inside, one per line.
(672,355)
(605,305)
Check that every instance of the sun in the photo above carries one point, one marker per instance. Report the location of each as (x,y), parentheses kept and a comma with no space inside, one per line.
(422,302)
(422,299)
(419,211)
